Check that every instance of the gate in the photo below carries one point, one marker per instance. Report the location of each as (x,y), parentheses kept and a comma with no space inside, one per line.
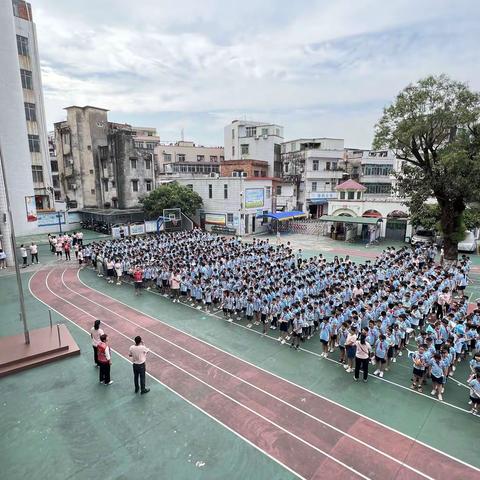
(396,229)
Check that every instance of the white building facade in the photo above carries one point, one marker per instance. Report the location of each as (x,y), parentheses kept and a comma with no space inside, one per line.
(246,140)
(232,202)
(315,166)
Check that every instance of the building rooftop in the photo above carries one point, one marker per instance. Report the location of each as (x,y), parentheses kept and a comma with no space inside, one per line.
(350,185)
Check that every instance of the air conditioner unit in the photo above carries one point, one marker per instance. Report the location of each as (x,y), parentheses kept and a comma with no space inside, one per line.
(256,137)
(265,137)
(214,175)
(244,174)
(74,186)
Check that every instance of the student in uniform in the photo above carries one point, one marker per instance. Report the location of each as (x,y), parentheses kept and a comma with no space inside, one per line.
(362,357)
(437,374)
(419,365)
(324,333)
(381,347)
(474,385)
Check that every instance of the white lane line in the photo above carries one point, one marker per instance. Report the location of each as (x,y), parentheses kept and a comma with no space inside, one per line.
(239,435)
(353,438)
(297,385)
(319,450)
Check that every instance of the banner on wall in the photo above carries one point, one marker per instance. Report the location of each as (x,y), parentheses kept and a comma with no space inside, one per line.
(50,219)
(150,226)
(31,208)
(137,229)
(215,218)
(254,197)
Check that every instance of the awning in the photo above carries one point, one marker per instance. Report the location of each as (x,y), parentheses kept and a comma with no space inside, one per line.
(283,216)
(345,219)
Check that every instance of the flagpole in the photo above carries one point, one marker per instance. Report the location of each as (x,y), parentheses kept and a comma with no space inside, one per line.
(14,252)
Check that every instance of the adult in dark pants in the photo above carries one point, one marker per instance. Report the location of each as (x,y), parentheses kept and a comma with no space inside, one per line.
(96,332)
(104,360)
(362,357)
(138,352)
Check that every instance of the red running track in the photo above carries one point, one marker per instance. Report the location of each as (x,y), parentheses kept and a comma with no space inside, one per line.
(311,436)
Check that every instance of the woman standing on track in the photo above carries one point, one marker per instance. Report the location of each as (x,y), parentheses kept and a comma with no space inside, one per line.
(104,360)
(96,332)
(362,357)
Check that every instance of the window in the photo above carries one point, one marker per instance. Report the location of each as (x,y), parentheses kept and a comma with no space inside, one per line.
(251,131)
(342,195)
(138,144)
(264,131)
(256,173)
(105,184)
(230,218)
(314,186)
(359,194)
(263,173)
(351,195)
(55,181)
(225,191)
(30,113)
(148,185)
(277,132)
(213,158)
(91,171)
(22,45)
(135,185)
(150,145)
(293,146)
(34,143)
(66,138)
(200,158)
(222,158)
(380,170)
(37,173)
(210,190)
(133,163)
(92,191)
(113,183)
(181,157)
(327,166)
(286,168)
(233,133)
(54,165)
(379,188)
(278,190)
(27,80)
(148,164)
(334,165)
(315,165)
(268,192)
(244,149)
(167,157)
(233,151)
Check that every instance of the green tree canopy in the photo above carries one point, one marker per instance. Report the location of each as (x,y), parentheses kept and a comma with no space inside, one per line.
(171,195)
(434,126)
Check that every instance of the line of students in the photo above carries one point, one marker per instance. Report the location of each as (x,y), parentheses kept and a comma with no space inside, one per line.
(387,301)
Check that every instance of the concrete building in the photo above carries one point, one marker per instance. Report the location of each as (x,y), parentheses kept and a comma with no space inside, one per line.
(314,166)
(187,158)
(377,172)
(23,137)
(233,202)
(352,200)
(103,164)
(245,140)
(244,168)
(54,166)
(34,111)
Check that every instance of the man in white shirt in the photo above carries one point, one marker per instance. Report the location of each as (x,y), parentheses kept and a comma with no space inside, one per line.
(138,352)
(23,253)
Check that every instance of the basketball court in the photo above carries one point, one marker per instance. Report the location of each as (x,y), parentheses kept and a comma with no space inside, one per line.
(225,401)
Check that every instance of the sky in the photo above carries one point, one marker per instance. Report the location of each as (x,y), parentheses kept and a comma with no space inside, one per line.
(319,68)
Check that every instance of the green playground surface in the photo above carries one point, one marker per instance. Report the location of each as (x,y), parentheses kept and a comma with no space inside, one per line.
(58,423)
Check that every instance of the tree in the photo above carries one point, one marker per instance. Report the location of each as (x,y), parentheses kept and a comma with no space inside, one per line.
(434,127)
(171,195)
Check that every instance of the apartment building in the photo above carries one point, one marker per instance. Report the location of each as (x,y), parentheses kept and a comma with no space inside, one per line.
(314,166)
(31,80)
(377,172)
(184,158)
(246,140)
(103,164)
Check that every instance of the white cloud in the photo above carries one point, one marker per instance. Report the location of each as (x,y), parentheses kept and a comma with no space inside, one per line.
(319,68)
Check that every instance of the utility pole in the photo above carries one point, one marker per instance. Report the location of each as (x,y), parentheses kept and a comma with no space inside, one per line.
(14,251)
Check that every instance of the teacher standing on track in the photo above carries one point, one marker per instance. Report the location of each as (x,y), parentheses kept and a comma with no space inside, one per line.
(138,352)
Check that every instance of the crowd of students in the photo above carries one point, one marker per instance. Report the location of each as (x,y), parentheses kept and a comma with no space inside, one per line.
(401,303)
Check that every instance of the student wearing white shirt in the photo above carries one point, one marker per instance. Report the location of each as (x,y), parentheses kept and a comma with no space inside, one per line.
(138,352)
(23,253)
(34,252)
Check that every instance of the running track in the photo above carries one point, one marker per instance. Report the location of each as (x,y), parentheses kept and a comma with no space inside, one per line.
(307,434)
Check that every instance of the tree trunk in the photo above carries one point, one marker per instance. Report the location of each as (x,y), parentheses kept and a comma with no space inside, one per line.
(451,223)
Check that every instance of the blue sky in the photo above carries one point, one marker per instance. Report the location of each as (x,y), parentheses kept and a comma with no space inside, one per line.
(319,68)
